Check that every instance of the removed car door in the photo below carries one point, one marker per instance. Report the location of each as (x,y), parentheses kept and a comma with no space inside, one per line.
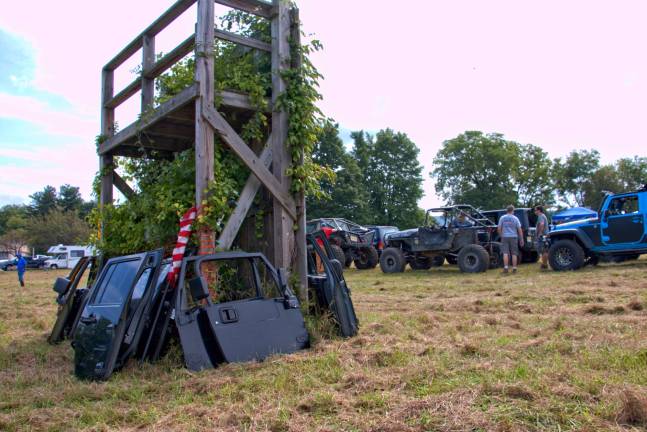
(232,307)
(103,322)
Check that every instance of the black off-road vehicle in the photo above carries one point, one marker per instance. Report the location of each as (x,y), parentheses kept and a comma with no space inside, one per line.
(350,242)
(457,232)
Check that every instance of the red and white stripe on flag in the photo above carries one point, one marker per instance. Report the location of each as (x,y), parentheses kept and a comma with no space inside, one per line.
(186,223)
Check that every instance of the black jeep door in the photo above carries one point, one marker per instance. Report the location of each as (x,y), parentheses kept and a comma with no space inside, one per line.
(103,322)
(623,221)
(231,307)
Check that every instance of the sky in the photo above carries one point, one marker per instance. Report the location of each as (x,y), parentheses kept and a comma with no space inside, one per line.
(562,75)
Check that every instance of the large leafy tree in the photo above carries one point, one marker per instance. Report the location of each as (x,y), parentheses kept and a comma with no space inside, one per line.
(533,177)
(56,227)
(477,169)
(632,172)
(345,195)
(69,198)
(44,201)
(392,175)
(572,173)
(603,180)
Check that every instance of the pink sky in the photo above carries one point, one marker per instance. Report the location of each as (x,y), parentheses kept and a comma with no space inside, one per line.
(561,75)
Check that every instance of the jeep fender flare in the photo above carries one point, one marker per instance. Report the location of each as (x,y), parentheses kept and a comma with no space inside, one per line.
(582,239)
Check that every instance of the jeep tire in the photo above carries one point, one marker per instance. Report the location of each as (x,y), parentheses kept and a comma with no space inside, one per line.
(496,258)
(348,258)
(392,260)
(438,261)
(473,259)
(367,258)
(565,255)
(338,254)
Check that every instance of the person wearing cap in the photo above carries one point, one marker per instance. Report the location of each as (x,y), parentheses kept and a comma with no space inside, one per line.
(21,266)
(511,235)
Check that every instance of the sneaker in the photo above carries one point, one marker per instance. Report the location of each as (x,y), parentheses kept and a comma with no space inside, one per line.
(514,270)
(505,271)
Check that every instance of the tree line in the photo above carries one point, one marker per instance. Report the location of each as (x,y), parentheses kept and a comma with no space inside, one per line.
(52,217)
(489,171)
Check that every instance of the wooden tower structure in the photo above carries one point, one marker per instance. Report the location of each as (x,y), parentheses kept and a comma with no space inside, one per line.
(190,119)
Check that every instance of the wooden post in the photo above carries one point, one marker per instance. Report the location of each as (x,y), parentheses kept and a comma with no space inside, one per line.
(204,139)
(107,130)
(301,262)
(148,60)
(282,233)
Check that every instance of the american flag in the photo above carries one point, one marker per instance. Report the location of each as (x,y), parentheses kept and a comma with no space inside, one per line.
(180,246)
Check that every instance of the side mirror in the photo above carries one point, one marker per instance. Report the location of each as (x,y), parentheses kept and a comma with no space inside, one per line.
(337,267)
(199,288)
(61,284)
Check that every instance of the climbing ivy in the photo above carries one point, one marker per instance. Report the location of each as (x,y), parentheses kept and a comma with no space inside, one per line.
(166,187)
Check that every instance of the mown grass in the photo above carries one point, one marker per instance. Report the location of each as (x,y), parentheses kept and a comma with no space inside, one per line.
(437,351)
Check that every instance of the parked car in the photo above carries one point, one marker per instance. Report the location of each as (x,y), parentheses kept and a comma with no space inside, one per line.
(380,233)
(528,221)
(32,263)
(460,232)
(618,232)
(350,241)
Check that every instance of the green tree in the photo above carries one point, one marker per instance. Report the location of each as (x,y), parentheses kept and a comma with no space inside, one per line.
(44,201)
(13,216)
(572,174)
(605,179)
(362,150)
(345,195)
(13,240)
(532,177)
(632,172)
(69,198)
(56,227)
(393,178)
(479,169)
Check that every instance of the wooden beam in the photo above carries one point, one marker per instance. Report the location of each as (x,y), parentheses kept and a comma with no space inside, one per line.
(256,7)
(244,203)
(204,139)
(177,102)
(123,187)
(173,56)
(238,100)
(283,234)
(107,131)
(125,94)
(158,25)
(242,40)
(148,60)
(247,156)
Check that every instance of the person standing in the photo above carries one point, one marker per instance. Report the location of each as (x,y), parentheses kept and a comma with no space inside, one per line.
(511,235)
(541,231)
(21,266)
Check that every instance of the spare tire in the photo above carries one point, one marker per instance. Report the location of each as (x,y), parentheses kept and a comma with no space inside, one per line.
(392,260)
(473,259)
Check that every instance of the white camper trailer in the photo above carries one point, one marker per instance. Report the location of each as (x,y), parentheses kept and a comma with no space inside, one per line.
(66,256)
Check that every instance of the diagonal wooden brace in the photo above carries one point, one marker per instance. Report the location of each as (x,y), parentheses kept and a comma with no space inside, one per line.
(244,203)
(123,187)
(242,150)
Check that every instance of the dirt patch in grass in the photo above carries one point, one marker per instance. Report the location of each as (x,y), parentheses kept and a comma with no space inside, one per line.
(634,409)
(601,310)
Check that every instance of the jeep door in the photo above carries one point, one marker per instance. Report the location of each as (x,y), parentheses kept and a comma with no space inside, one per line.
(623,221)
(231,307)
(103,322)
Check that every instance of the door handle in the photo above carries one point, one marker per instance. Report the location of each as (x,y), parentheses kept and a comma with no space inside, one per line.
(228,315)
(89,320)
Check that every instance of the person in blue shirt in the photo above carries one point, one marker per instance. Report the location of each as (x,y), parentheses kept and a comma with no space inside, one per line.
(21,266)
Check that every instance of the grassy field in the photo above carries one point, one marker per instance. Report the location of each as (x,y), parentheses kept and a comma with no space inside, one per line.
(437,351)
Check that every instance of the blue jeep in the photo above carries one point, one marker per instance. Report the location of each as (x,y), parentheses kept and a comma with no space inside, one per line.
(618,232)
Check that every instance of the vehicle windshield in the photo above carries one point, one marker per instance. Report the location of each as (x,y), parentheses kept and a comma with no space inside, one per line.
(61,256)
(437,218)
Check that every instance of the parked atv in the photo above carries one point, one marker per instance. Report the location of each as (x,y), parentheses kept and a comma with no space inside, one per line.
(350,242)
(618,233)
(456,232)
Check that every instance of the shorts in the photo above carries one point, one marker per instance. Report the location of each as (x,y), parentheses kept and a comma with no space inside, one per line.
(540,246)
(510,245)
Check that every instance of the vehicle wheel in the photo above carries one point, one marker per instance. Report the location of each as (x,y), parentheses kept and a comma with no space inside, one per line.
(423,263)
(53,266)
(496,259)
(451,259)
(565,255)
(348,260)
(338,253)
(392,260)
(438,261)
(367,258)
(473,259)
